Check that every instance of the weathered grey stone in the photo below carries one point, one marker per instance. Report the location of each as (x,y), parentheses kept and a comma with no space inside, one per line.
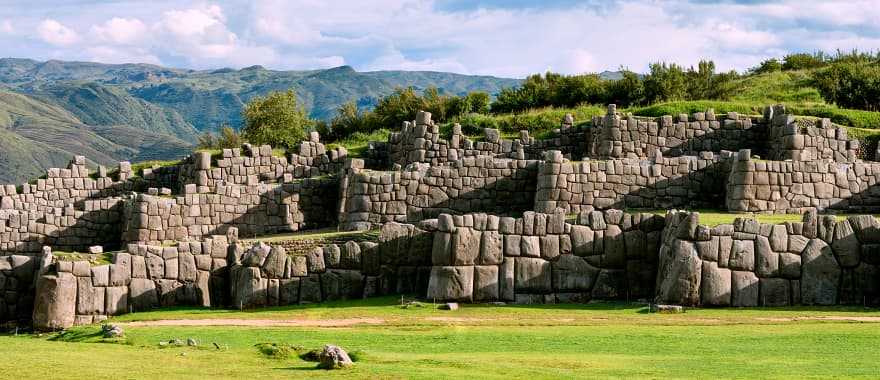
(465,246)
(89,299)
(573,274)
(333,357)
(779,238)
(820,274)
(341,284)
(315,259)
(486,284)
(744,289)
(715,286)
(249,288)
(451,283)
(142,294)
(846,245)
(491,248)
(506,280)
(116,300)
(120,270)
(274,264)
(610,284)
(101,275)
(256,255)
(742,255)
(775,292)
(789,265)
(187,271)
(766,260)
(532,275)
(679,274)
(55,302)
(530,246)
(581,240)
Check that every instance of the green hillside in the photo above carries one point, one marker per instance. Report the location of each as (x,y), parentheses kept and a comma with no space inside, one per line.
(35,135)
(49,110)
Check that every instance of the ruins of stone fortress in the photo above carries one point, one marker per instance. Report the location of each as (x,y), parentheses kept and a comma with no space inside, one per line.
(453,219)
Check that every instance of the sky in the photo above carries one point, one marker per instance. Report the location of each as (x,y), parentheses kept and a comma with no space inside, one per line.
(487,37)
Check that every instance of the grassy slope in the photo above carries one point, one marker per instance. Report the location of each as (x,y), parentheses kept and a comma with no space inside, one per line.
(35,135)
(551,341)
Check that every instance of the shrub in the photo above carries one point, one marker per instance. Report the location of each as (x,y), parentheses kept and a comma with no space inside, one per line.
(228,138)
(768,66)
(801,61)
(276,119)
(850,85)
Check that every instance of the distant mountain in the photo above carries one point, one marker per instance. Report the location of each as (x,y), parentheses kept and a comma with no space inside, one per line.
(51,110)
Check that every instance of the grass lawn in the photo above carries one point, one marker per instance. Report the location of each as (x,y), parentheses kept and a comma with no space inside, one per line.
(476,341)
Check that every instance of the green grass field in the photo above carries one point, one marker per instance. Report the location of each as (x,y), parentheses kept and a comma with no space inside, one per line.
(598,340)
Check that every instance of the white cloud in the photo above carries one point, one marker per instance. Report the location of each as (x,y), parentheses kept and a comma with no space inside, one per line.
(426,35)
(6,27)
(109,54)
(121,31)
(55,33)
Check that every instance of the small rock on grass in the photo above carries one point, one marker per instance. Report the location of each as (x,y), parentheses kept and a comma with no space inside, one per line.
(666,309)
(449,306)
(333,357)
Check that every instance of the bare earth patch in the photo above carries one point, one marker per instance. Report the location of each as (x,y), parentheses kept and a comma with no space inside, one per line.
(260,322)
(825,318)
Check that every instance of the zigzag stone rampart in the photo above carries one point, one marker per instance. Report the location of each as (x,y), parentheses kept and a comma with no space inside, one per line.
(490,220)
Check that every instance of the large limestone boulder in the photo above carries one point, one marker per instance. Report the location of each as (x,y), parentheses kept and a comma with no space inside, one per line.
(820,274)
(744,289)
(55,302)
(775,292)
(679,274)
(532,275)
(573,274)
(715,286)
(451,283)
(142,294)
(486,283)
(249,288)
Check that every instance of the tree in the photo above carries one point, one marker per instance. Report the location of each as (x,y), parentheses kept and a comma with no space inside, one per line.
(767,66)
(626,91)
(850,85)
(665,83)
(276,119)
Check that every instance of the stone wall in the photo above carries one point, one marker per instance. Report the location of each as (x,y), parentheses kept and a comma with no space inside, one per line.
(796,186)
(820,261)
(143,278)
(221,271)
(398,263)
(800,139)
(421,191)
(253,210)
(69,209)
(17,275)
(420,142)
(542,258)
(661,182)
(250,165)
(616,136)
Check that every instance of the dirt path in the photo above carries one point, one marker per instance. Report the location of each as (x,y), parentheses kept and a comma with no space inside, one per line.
(260,322)
(825,318)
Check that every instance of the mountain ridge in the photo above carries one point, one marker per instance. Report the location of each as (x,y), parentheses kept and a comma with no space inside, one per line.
(50,110)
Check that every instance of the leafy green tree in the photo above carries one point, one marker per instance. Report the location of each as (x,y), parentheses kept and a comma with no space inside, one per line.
(399,106)
(276,119)
(227,138)
(626,91)
(767,66)
(800,61)
(665,83)
(850,85)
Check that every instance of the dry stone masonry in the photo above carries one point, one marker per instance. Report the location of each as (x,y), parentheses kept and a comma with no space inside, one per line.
(570,218)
